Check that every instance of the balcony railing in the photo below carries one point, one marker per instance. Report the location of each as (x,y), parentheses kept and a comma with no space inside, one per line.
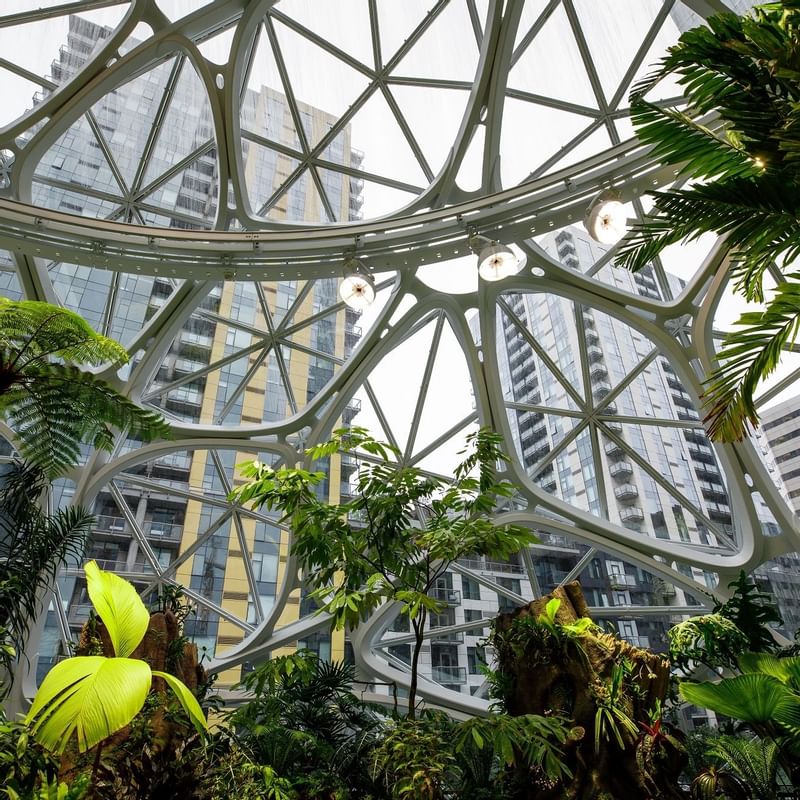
(450,596)
(490,566)
(449,674)
(631,514)
(456,637)
(627,491)
(622,581)
(152,529)
(621,469)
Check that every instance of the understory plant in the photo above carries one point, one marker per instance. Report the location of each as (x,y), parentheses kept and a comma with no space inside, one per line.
(33,545)
(86,699)
(398,535)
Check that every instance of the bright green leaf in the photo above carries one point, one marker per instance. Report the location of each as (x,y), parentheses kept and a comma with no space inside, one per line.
(120,608)
(186,699)
(90,696)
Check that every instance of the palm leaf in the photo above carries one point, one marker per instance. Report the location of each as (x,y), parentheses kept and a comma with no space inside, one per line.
(90,696)
(186,699)
(748,356)
(678,139)
(755,761)
(752,697)
(786,670)
(119,606)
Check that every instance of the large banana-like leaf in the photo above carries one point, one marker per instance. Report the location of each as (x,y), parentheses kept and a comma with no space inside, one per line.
(90,696)
(186,699)
(752,697)
(120,608)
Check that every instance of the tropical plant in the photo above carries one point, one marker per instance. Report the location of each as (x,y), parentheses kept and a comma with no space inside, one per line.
(399,534)
(766,696)
(717,640)
(743,71)
(306,725)
(91,697)
(33,545)
(611,718)
(716,783)
(753,761)
(752,611)
(52,405)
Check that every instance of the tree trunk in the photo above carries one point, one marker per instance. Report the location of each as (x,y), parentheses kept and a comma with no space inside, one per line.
(547,674)
(419,630)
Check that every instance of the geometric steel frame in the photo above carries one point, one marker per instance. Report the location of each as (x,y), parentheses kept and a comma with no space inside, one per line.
(432,229)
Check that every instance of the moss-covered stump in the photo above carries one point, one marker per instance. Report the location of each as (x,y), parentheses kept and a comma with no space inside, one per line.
(552,663)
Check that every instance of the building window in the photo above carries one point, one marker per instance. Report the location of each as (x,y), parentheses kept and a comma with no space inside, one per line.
(476,658)
(470,589)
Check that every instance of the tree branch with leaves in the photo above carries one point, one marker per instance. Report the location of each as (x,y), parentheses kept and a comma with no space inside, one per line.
(397,536)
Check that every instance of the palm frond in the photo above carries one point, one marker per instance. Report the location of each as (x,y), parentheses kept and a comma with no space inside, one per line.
(34,545)
(678,139)
(755,761)
(759,217)
(748,356)
(54,408)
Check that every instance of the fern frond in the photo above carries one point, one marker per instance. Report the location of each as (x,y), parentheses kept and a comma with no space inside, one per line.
(54,408)
(33,332)
(755,761)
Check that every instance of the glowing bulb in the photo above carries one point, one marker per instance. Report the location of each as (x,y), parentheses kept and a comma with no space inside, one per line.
(606,219)
(496,261)
(358,287)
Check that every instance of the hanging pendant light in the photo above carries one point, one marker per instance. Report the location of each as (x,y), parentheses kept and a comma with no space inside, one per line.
(495,260)
(606,218)
(358,287)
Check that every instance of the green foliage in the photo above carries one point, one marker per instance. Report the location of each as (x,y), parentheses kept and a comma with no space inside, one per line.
(307,726)
(530,738)
(52,405)
(415,759)
(611,718)
(33,545)
(753,761)
(92,697)
(714,783)
(718,639)
(712,639)
(410,527)
(752,611)
(744,70)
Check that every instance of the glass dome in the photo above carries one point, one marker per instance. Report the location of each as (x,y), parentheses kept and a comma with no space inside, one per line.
(192,178)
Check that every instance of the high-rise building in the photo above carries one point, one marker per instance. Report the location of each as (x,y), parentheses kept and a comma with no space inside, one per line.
(215,370)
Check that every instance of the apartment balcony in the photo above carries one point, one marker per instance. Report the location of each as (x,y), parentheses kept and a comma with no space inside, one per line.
(598,370)
(449,674)
(592,336)
(601,388)
(451,637)
(688,414)
(450,597)
(700,452)
(162,531)
(613,426)
(627,491)
(631,514)
(479,565)
(594,354)
(622,581)
(613,449)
